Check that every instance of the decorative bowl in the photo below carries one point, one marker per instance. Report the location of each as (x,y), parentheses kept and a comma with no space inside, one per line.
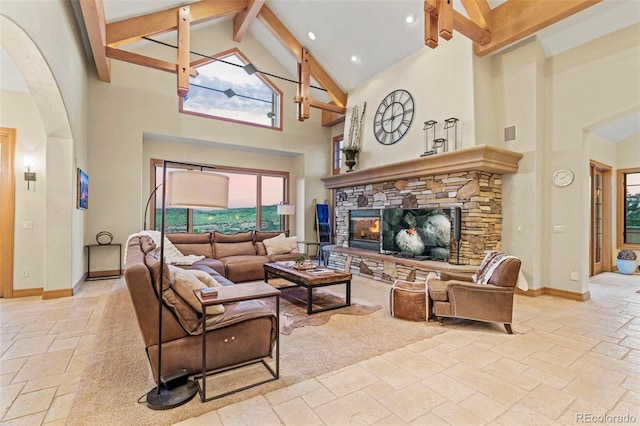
(304,266)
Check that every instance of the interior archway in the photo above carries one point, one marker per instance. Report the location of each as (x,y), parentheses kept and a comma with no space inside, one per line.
(58,182)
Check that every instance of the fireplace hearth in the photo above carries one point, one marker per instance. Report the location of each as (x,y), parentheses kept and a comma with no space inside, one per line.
(364,229)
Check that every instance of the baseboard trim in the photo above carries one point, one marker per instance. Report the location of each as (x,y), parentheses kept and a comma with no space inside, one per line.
(98,275)
(530,293)
(55,294)
(581,297)
(27,292)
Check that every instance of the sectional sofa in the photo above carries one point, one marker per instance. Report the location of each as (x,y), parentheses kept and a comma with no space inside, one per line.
(244,332)
(238,257)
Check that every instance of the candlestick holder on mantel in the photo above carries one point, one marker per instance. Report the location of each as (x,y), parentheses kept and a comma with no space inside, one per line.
(440,145)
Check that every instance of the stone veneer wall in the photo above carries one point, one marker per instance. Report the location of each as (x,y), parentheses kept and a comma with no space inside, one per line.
(479,194)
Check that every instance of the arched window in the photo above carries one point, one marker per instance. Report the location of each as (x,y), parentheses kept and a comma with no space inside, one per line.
(229,88)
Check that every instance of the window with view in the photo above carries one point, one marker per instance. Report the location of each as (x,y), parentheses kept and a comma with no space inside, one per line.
(629,208)
(248,189)
(229,88)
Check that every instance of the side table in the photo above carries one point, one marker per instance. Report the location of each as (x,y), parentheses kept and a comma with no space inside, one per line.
(306,248)
(230,294)
(103,277)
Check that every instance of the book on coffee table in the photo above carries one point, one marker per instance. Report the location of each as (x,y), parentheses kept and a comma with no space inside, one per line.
(320,271)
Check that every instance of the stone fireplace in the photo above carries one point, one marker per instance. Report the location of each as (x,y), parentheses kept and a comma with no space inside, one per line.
(469,178)
(364,229)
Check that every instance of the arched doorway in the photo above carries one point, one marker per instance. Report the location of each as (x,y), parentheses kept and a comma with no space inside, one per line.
(56,182)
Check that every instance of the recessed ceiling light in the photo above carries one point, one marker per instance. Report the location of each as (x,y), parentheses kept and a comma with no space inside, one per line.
(311,35)
(410,18)
(354,58)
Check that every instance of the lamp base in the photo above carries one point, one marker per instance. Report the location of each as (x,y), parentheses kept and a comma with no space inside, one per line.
(171,398)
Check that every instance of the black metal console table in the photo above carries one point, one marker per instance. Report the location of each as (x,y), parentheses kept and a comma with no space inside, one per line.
(104,277)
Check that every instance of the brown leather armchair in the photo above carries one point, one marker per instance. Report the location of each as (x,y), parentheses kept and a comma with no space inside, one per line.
(456,295)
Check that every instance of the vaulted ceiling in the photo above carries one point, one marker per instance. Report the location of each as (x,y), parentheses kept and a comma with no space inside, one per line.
(354,39)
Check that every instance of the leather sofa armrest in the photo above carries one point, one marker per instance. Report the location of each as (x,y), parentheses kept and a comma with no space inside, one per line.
(457,284)
(458,276)
(483,302)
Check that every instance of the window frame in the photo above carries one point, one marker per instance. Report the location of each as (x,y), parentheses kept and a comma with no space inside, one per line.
(258,173)
(336,154)
(265,80)
(620,205)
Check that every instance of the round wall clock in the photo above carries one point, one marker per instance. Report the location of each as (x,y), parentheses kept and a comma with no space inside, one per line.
(393,117)
(563,177)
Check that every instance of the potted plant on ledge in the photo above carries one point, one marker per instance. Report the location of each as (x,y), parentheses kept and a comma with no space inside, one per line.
(626,261)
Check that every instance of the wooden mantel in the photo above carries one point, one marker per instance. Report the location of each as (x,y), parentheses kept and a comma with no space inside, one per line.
(484,158)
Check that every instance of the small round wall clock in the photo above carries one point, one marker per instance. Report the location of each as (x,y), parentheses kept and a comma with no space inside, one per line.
(393,117)
(563,177)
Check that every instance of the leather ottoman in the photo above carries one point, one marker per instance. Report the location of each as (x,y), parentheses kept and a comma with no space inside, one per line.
(410,301)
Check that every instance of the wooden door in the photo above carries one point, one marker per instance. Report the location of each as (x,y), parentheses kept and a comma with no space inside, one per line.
(600,194)
(7,209)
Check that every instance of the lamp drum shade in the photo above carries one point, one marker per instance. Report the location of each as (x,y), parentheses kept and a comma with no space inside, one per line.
(286,209)
(197,190)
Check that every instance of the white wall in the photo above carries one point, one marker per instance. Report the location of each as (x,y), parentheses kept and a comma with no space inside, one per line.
(516,98)
(140,101)
(585,85)
(628,152)
(19,112)
(441,83)
(44,41)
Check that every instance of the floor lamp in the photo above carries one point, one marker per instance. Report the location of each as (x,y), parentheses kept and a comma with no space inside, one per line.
(285,210)
(187,189)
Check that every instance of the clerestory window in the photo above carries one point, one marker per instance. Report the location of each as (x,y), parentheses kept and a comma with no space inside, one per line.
(229,88)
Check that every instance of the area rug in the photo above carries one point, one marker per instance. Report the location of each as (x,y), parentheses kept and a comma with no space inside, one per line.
(118,375)
(293,307)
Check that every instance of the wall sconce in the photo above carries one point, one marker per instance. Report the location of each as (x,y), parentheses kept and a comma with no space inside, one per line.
(29,175)
(440,145)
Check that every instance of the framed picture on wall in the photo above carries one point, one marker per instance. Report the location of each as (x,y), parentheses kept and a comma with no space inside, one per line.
(83,190)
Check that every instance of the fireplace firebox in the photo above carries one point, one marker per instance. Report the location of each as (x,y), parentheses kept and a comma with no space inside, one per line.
(364,229)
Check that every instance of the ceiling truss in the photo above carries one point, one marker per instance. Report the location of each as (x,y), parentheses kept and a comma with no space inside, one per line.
(489,29)
(106,40)
(493,29)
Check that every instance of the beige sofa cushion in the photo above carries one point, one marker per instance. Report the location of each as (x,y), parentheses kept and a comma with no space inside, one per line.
(192,244)
(263,235)
(184,282)
(219,237)
(223,250)
(281,245)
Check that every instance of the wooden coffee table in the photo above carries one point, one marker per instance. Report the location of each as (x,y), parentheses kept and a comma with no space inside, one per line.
(309,281)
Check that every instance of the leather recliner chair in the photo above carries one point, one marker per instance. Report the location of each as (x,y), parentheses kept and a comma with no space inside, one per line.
(456,295)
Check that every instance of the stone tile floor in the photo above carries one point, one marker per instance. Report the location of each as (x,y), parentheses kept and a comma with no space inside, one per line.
(567,363)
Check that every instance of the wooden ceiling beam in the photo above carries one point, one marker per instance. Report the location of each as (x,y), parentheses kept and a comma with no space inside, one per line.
(242,21)
(303,99)
(333,90)
(130,30)
(517,19)
(479,12)
(445,19)
(280,32)
(330,118)
(470,29)
(184,45)
(330,107)
(430,28)
(146,61)
(94,22)
(293,46)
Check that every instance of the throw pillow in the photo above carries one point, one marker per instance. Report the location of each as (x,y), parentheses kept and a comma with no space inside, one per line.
(185,281)
(293,244)
(277,245)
